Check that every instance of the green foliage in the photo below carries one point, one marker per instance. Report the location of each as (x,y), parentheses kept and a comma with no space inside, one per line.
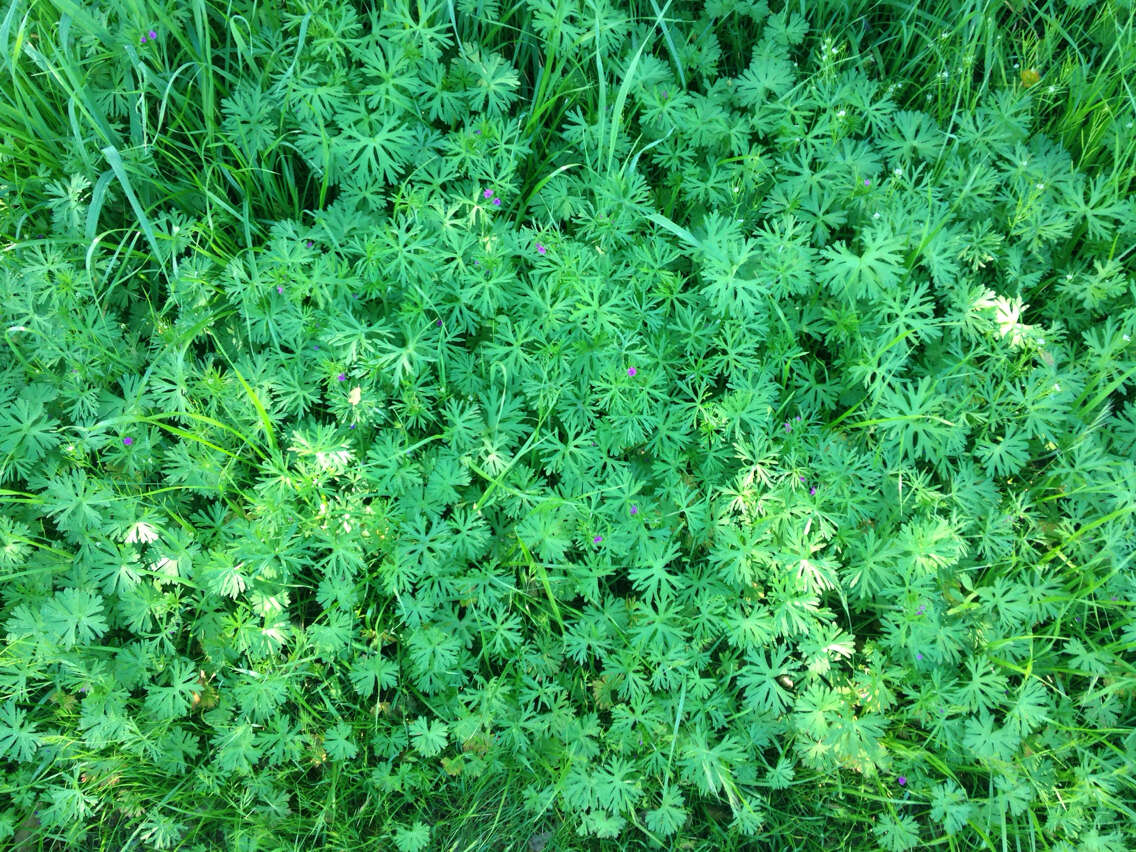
(454,425)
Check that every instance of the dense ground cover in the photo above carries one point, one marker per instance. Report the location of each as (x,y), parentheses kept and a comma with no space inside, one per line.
(567,425)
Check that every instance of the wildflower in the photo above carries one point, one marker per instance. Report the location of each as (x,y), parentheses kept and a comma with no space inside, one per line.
(631,371)
(487,194)
(867,182)
(437,322)
(902,780)
(919,656)
(802,479)
(477,132)
(153,35)
(597,539)
(496,202)
(635,511)
(143,40)
(127,441)
(342,377)
(812,490)
(308,243)
(540,249)
(279,289)
(788,428)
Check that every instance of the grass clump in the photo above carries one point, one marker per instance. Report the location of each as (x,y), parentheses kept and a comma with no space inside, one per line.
(567,426)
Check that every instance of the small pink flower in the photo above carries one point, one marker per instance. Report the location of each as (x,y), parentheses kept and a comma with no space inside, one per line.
(902,780)
(634,510)
(812,491)
(342,377)
(127,441)
(153,35)
(487,194)
(279,289)
(597,539)
(143,40)
(631,371)
(867,182)
(540,249)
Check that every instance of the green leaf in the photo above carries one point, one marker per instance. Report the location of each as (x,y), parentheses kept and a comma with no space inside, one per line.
(75,616)
(897,833)
(339,742)
(17,736)
(428,737)
(413,839)
(371,672)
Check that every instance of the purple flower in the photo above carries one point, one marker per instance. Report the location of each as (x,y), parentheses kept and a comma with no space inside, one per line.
(802,479)
(597,539)
(631,371)
(352,426)
(279,289)
(496,202)
(437,322)
(540,249)
(902,780)
(812,490)
(143,40)
(867,182)
(127,441)
(315,346)
(634,510)
(919,656)
(153,35)
(342,377)
(478,132)
(487,194)
(788,428)
(308,243)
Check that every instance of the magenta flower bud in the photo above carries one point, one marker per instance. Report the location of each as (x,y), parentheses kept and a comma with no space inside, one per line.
(279,289)
(812,491)
(540,249)
(902,780)
(597,539)
(342,377)
(631,371)
(153,35)
(487,194)
(127,441)
(867,182)
(143,40)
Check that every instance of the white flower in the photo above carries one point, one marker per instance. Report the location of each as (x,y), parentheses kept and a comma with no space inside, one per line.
(841,114)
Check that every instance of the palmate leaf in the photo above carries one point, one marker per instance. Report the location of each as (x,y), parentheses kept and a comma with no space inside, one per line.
(373,671)
(17,736)
(670,815)
(377,149)
(865,275)
(762,680)
(74,616)
(897,833)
